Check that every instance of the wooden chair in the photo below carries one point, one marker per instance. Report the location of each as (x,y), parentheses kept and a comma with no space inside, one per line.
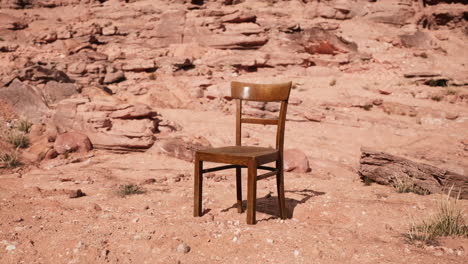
(248,157)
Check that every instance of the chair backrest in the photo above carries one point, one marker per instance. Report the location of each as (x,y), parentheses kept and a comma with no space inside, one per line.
(264,93)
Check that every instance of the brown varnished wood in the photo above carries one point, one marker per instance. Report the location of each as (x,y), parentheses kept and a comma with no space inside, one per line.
(261,92)
(261,121)
(251,192)
(198,186)
(238,122)
(239,189)
(246,156)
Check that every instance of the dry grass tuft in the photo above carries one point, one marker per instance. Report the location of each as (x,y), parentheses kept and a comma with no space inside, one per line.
(129,189)
(449,220)
(18,140)
(407,185)
(9,160)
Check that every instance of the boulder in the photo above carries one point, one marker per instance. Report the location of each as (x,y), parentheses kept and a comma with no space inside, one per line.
(387,169)
(114,77)
(391,12)
(296,161)
(108,123)
(72,142)
(24,100)
(234,41)
(183,148)
(55,91)
(10,22)
(43,74)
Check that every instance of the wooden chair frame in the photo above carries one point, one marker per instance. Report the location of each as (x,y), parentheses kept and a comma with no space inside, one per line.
(251,158)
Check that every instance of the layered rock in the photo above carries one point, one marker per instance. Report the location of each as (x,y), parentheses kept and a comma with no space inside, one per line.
(108,124)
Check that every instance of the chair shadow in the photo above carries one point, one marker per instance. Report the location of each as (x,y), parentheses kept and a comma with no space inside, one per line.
(269,204)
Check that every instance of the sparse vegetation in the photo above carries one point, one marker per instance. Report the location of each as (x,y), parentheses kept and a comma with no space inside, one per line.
(449,220)
(1,39)
(451,92)
(436,98)
(24,126)
(18,140)
(9,160)
(152,76)
(367,107)
(129,189)
(333,82)
(367,181)
(407,186)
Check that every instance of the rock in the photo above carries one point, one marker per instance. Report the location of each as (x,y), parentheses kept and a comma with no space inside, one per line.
(419,39)
(399,109)
(181,147)
(24,100)
(114,77)
(134,111)
(387,169)
(55,91)
(296,161)
(109,124)
(43,74)
(421,74)
(8,47)
(76,194)
(37,150)
(314,116)
(183,248)
(72,142)
(391,12)
(139,65)
(234,41)
(11,23)
(238,17)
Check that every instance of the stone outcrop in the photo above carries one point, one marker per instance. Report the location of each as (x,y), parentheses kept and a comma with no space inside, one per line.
(108,124)
(24,100)
(387,169)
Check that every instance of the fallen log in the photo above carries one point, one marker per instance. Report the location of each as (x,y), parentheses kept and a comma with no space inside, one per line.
(387,169)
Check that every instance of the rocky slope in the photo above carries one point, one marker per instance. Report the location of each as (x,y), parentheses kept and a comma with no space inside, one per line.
(153,77)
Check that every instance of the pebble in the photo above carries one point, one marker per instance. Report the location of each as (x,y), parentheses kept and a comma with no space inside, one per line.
(296,253)
(183,248)
(10,247)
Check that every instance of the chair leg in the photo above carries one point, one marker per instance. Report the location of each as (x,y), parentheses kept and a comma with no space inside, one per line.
(239,189)
(251,192)
(280,188)
(198,186)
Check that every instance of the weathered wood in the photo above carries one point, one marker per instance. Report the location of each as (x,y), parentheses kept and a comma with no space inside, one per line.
(385,169)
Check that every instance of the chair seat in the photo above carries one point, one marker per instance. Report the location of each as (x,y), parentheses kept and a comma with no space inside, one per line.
(238,155)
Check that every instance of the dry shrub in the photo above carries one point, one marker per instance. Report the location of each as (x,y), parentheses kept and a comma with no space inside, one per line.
(449,220)
(129,189)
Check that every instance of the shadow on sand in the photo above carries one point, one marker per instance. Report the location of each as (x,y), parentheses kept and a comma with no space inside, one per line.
(269,204)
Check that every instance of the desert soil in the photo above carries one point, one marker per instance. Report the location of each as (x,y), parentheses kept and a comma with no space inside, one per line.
(333,216)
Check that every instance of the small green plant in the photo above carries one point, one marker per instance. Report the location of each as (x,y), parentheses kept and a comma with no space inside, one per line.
(333,82)
(407,185)
(436,98)
(9,160)
(129,189)
(24,126)
(449,220)
(18,140)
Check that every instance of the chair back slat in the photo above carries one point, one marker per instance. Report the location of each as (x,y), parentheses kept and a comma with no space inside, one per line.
(266,93)
(260,92)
